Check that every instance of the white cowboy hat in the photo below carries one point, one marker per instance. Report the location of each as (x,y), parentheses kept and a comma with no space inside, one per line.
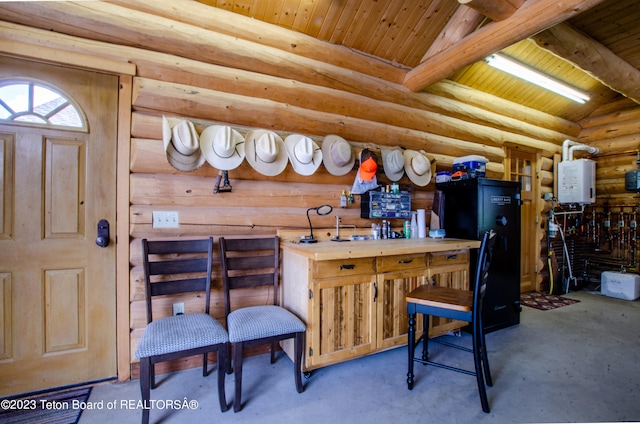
(181,144)
(304,154)
(222,146)
(393,163)
(265,152)
(337,155)
(418,167)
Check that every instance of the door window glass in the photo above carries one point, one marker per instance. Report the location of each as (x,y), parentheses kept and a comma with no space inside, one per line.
(35,103)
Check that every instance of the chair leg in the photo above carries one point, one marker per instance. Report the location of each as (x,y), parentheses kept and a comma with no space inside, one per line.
(204,365)
(237,369)
(152,374)
(485,358)
(411,348)
(222,368)
(297,363)
(229,365)
(145,387)
(477,335)
(273,352)
(425,337)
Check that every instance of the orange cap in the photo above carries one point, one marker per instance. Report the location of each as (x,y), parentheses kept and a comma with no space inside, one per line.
(368,169)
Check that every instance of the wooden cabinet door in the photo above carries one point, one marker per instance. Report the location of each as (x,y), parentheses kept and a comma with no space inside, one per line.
(342,318)
(397,276)
(393,320)
(448,269)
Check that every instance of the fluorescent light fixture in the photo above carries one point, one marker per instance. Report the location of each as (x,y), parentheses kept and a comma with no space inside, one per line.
(510,66)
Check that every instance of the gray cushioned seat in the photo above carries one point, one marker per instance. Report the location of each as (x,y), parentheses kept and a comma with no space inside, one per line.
(180,332)
(257,322)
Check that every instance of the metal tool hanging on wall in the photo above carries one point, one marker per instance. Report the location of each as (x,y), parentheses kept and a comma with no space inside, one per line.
(226,186)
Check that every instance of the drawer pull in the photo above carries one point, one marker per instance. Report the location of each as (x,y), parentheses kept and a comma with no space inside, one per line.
(347,266)
(452,257)
(405,261)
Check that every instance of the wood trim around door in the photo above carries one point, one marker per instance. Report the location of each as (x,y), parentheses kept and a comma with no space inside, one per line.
(122,229)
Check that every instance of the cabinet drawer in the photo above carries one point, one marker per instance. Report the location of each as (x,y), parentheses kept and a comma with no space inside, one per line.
(450,257)
(401,262)
(343,267)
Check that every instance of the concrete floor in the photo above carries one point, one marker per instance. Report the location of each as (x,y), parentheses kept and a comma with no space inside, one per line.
(579,363)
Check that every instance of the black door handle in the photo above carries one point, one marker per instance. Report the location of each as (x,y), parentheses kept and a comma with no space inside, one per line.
(103,233)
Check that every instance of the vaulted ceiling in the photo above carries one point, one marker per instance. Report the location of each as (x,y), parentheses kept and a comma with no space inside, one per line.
(593,45)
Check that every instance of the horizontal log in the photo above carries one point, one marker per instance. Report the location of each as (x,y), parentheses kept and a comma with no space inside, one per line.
(628,198)
(619,159)
(558,128)
(185,190)
(614,174)
(182,100)
(621,104)
(617,116)
(250,112)
(609,131)
(610,186)
(620,146)
(146,230)
(422,111)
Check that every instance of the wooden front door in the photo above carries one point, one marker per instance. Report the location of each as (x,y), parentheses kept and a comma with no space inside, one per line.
(57,286)
(523,169)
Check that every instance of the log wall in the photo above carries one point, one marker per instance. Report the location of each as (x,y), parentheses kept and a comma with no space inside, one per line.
(616,132)
(368,111)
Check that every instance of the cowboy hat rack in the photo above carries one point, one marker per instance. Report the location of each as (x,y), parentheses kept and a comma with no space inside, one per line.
(268,152)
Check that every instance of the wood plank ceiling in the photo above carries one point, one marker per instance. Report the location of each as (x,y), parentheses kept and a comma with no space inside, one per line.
(408,33)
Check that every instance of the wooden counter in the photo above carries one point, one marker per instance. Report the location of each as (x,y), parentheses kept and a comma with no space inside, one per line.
(328,250)
(351,295)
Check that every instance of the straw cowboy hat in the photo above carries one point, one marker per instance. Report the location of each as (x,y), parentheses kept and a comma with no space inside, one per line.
(304,154)
(418,167)
(181,144)
(393,163)
(265,152)
(337,155)
(222,146)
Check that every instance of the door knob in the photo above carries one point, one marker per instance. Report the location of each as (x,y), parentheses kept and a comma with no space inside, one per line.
(103,233)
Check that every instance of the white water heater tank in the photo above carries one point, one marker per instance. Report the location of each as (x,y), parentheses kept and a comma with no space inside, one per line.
(577,181)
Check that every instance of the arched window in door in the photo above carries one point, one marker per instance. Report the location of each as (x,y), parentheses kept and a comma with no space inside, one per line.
(32,102)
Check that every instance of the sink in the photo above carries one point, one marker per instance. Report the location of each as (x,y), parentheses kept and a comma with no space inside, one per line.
(356,237)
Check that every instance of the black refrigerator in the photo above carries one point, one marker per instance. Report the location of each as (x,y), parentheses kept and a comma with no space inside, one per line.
(473,206)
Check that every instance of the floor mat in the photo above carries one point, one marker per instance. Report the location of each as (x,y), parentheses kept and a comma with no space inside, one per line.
(545,302)
(60,407)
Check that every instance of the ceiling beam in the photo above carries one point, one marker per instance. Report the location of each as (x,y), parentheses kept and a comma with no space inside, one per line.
(462,23)
(534,16)
(496,10)
(587,54)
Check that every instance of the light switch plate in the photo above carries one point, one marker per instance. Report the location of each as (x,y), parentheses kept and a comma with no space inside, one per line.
(166,219)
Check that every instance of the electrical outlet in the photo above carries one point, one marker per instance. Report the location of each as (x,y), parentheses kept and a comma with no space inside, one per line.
(178,308)
(166,219)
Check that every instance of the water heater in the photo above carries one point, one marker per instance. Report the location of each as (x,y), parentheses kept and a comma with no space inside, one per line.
(577,181)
